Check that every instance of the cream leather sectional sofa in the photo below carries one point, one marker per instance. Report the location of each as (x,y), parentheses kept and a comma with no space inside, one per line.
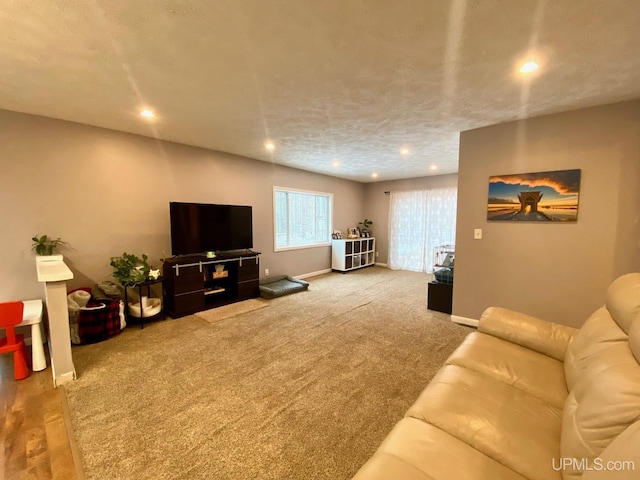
(526,399)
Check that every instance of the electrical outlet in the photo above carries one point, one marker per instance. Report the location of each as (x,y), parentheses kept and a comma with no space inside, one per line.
(377,254)
(477,234)
(266,272)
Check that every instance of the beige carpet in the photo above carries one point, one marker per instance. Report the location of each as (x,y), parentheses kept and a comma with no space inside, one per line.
(228,311)
(305,389)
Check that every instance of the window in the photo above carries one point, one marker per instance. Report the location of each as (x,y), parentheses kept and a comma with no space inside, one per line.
(419,221)
(301,219)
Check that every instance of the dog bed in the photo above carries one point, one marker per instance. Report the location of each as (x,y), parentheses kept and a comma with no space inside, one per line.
(280,285)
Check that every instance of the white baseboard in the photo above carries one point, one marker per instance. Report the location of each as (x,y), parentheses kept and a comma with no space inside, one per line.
(381,264)
(470,322)
(313,274)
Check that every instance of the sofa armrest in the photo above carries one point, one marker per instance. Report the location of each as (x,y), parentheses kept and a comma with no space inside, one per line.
(544,337)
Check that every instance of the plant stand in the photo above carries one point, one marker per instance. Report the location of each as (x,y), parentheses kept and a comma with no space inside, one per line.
(140,287)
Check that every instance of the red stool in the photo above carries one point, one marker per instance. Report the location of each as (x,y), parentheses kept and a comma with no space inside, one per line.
(10,316)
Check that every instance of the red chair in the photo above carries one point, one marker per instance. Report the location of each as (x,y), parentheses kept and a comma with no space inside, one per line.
(10,316)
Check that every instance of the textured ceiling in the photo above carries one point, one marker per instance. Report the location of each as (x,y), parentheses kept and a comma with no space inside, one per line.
(353,80)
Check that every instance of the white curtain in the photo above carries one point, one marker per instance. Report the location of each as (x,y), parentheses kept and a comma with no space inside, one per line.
(419,221)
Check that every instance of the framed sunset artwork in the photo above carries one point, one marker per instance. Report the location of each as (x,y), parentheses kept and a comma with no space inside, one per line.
(534,197)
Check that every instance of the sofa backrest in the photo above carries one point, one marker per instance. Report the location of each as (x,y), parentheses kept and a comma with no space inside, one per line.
(621,459)
(603,377)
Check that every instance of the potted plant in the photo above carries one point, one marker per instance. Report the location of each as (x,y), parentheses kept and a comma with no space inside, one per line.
(366,223)
(45,245)
(131,270)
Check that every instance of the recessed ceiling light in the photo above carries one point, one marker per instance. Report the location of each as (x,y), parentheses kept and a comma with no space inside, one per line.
(374,175)
(529,67)
(336,163)
(405,151)
(147,113)
(433,167)
(269,146)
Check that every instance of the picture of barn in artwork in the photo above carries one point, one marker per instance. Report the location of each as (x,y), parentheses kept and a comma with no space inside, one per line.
(535,197)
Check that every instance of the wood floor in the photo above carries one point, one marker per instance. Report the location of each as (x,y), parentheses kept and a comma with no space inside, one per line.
(33,433)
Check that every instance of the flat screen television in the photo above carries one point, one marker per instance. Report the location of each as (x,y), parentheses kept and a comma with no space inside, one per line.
(201,227)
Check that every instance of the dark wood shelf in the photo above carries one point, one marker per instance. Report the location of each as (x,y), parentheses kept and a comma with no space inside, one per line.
(190,285)
(440,297)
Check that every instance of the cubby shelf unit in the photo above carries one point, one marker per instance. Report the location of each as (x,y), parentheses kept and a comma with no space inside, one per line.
(352,253)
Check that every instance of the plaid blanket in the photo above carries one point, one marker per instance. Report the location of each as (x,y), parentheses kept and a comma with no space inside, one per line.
(100,324)
(96,321)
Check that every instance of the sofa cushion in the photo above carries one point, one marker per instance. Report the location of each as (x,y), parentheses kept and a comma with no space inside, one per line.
(623,300)
(605,332)
(634,339)
(603,377)
(415,450)
(540,375)
(603,403)
(539,335)
(505,423)
(592,346)
(620,460)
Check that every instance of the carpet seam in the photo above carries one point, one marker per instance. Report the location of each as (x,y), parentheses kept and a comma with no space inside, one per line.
(75,451)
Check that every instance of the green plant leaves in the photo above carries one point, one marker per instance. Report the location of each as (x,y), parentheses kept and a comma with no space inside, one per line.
(129,269)
(44,245)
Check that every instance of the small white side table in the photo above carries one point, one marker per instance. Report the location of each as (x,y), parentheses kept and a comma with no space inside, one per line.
(32,315)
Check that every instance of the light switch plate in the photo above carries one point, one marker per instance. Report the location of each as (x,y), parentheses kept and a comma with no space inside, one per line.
(477,234)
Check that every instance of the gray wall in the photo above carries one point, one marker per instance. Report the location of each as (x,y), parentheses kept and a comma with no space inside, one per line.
(105,192)
(559,272)
(377,204)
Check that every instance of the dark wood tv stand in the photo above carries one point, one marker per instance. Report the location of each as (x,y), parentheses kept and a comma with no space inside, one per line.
(192,283)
